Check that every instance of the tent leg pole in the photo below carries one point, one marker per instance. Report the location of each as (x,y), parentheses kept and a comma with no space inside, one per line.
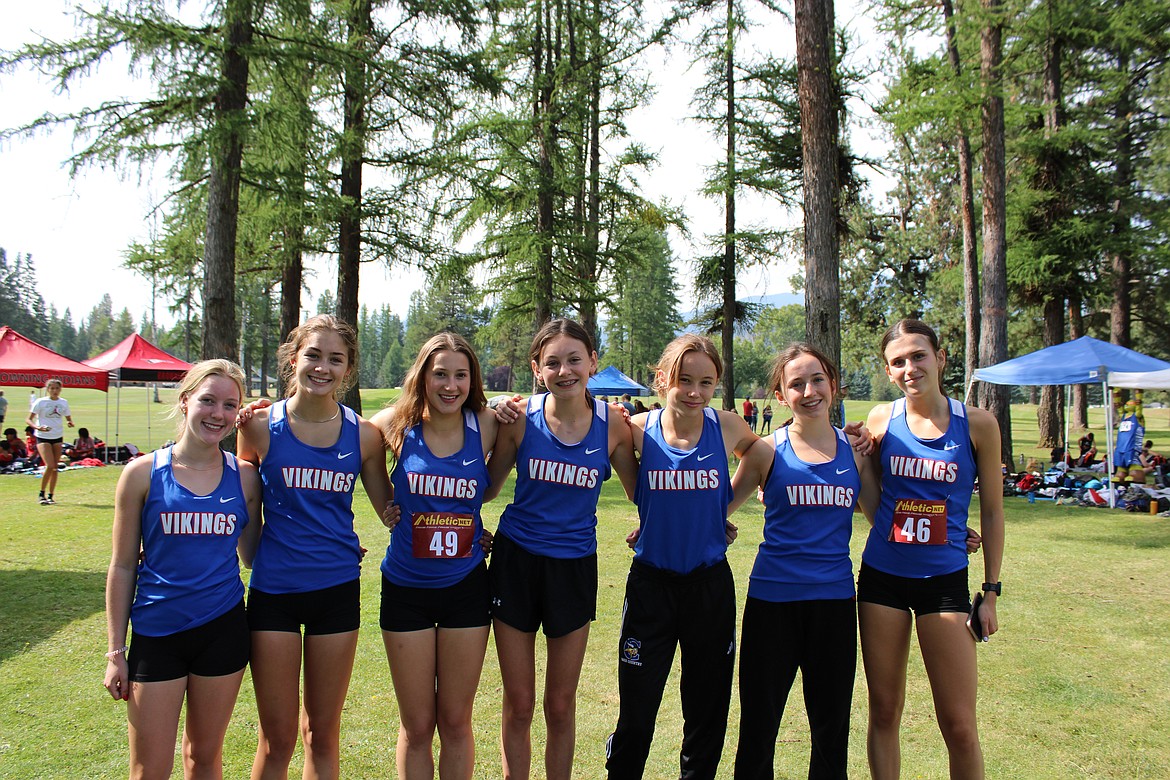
(1109,443)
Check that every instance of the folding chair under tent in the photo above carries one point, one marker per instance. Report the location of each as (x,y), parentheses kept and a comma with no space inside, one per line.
(135,361)
(1083,361)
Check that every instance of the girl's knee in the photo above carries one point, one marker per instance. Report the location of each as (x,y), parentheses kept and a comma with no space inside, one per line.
(455,727)
(885,712)
(960,733)
(519,708)
(417,731)
(201,759)
(279,746)
(560,712)
(321,738)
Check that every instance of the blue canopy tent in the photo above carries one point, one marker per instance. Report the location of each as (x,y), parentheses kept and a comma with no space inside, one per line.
(611,381)
(1082,361)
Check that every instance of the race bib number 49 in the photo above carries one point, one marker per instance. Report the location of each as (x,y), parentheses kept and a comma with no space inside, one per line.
(919,522)
(442,535)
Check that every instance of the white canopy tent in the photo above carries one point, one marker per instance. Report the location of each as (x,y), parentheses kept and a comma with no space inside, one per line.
(1146,380)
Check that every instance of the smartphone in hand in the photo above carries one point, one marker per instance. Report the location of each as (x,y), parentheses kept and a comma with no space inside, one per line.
(974,625)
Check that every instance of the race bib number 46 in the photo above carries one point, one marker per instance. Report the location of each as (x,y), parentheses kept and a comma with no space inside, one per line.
(442,535)
(919,522)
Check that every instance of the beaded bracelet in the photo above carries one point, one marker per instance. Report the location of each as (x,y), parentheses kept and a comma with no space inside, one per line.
(114,653)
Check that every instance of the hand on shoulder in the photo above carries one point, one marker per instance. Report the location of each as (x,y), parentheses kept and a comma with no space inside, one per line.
(253,410)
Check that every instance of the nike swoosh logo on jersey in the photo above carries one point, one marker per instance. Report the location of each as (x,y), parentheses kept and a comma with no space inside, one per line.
(702,458)
(591,451)
(224,499)
(343,455)
(469,462)
(952,446)
(842,471)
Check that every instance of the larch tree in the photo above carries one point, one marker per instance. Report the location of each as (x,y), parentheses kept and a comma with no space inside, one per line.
(816,70)
(993,344)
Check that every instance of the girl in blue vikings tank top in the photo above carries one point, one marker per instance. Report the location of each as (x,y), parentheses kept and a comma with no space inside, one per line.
(800,612)
(311,451)
(680,590)
(188,508)
(544,563)
(914,568)
(435,601)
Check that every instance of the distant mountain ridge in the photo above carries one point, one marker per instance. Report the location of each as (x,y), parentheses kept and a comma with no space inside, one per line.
(775,300)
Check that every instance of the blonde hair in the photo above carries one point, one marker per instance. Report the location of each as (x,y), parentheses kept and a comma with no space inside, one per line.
(194,377)
(54,381)
(670,364)
(409,407)
(286,353)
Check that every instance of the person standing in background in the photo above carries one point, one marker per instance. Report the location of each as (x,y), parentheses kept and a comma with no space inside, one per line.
(3,406)
(45,417)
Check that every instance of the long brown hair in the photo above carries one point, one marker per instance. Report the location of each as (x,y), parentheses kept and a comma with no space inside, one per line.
(286,353)
(670,364)
(409,407)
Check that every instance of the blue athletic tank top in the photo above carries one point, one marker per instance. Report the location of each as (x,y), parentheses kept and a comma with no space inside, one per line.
(682,498)
(308,542)
(554,512)
(921,524)
(189,573)
(808,520)
(439,497)
(1130,437)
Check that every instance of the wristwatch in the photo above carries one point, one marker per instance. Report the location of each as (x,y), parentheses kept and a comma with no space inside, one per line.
(993,587)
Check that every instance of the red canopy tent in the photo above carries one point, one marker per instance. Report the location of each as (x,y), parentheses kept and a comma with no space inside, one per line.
(136,361)
(25,363)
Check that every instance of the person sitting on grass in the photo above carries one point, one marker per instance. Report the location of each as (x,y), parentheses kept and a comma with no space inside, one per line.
(83,447)
(15,444)
(30,444)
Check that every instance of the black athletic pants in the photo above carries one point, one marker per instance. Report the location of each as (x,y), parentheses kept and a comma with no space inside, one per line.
(819,638)
(696,612)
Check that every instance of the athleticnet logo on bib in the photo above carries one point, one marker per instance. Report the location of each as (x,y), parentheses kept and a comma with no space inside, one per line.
(919,522)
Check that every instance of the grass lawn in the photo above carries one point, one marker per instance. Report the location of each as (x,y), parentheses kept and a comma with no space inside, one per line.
(1076,684)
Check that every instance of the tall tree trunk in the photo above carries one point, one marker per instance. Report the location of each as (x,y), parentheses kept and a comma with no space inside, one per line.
(1050,413)
(966,214)
(993,344)
(815,68)
(1118,256)
(266,341)
(727,347)
(545,73)
(593,200)
(220,337)
(353,152)
(294,90)
(1076,329)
